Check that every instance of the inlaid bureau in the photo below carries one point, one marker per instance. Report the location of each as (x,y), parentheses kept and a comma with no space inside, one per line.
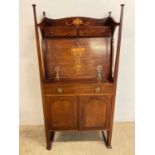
(78,73)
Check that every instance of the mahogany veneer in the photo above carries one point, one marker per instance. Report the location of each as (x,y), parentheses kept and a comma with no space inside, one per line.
(77,81)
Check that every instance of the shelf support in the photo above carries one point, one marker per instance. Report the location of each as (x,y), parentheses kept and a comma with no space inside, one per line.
(118,45)
(38,43)
(48,136)
(115,75)
(44,14)
(111,57)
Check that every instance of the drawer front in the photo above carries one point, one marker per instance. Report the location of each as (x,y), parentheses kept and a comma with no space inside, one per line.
(60,32)
(98,31)
(78,89)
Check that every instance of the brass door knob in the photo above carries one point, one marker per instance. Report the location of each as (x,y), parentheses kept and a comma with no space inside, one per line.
(59,90)
(98,89)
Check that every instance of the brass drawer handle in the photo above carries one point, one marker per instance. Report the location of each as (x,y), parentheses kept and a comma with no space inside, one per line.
(59,90)
(52,32)
(98,90)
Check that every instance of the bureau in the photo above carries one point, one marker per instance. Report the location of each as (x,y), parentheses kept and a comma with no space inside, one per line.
(78,73)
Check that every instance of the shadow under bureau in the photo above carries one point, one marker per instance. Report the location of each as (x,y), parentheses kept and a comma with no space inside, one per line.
(78,73)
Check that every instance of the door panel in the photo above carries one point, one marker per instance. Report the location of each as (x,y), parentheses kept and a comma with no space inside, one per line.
(62,112)
(93,112)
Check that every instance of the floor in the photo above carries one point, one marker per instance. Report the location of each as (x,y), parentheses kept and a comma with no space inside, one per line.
(32,142)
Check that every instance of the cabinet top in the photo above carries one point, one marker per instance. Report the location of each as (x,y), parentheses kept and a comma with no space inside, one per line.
(77,48)
(77,45)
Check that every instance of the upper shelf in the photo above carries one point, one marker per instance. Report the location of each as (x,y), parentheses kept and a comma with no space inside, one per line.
(78,21)
(72,25)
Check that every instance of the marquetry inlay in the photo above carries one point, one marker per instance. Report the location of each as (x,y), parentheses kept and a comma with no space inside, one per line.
(78,52)
(77,22)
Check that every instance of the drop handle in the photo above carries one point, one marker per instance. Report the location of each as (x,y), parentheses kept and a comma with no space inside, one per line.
(98,90)
(60,90)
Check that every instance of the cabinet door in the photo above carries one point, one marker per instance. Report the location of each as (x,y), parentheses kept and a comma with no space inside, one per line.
(94,112)
(62,112)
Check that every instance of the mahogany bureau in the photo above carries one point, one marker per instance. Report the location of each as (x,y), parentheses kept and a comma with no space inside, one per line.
(78,73)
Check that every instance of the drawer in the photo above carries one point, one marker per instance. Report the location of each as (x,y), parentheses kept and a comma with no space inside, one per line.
(78,89)
(60,32)
(95,31)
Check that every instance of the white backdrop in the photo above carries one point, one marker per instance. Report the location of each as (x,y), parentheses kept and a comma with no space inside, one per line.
(30,95)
